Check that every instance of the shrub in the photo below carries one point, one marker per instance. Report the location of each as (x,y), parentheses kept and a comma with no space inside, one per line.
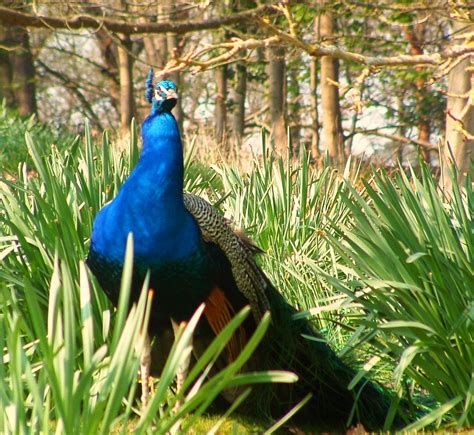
(408,254)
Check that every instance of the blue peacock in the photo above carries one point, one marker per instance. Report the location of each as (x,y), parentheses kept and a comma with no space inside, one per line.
(194,256)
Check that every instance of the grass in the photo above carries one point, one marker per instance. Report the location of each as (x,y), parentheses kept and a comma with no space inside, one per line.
(384,268)
(288,208)
(409,252)
(87,385)
(12,134)
(234,424)
(69,357)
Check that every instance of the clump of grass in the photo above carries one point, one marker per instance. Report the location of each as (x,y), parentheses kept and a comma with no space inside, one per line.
(82,376)
(286,206)
(12,134)
(409,251)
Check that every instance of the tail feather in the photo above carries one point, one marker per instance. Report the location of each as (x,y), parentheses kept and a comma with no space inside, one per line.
(219,312)
(294,345)
(291,345)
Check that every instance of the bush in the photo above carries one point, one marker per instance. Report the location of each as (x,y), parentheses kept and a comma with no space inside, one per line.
(12,138)
(408,253)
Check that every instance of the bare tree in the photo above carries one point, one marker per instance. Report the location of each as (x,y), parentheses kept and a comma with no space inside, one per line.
(23,72)
(173,45)
(221,104)
(156,47)
(172,42)
(17,67)
(127,98)
(6,91)
(240,92)
(294,107)
(109,54)
(415,34)
(313,89)
(278,29)
(331,119)
(459,143)
(277,97)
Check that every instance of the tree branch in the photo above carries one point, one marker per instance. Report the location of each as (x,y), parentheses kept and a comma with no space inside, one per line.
(445,59)
(74,89)
(319,50)
(14,17)
(397,138)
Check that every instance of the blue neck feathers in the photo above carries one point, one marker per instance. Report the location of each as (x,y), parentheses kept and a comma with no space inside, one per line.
(150,203)
(162,153)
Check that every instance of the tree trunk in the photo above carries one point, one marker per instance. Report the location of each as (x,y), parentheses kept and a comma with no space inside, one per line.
(294,114)
(6,91)
(127,101)
(156,52)
(23,72)
(221,108)
(401,128)
(172,42)
(331,120)
(156,47)
(459,118)
(108,50)
(315,153)
(415,36)
(240,92)
(277,99)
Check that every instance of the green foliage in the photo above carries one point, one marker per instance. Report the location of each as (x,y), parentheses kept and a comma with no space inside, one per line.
(406,104)
(85,382)
(12,138)
(287,207)
(409,251)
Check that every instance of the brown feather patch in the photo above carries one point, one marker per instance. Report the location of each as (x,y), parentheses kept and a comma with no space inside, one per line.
(219,312)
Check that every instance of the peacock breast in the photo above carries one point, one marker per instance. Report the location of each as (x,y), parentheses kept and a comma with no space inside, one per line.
(179,285)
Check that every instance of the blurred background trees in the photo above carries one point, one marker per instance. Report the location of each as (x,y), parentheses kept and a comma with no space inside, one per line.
(346,77)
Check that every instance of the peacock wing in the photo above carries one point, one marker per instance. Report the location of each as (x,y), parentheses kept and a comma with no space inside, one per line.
(238,249)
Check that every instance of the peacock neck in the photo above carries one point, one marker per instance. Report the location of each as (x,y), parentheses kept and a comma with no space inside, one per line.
(160,168)
(150,203)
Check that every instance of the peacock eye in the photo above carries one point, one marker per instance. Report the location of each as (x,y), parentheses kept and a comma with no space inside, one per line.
(160,93)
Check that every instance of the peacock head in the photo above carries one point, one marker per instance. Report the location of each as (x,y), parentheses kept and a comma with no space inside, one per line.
(164,96)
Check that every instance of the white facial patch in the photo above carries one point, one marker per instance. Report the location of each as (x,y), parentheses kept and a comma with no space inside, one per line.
(160,93)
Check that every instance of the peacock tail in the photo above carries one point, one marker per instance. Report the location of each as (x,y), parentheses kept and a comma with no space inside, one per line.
(291,344)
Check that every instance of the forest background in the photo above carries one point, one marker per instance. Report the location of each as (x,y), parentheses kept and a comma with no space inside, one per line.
(382,80)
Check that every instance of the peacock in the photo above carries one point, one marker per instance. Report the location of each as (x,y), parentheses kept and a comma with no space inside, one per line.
(194,256)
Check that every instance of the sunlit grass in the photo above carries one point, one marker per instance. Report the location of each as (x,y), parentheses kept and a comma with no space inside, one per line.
(287,207)
(408,254)
(69,358)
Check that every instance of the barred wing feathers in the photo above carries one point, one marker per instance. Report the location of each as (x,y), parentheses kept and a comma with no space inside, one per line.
(239,251)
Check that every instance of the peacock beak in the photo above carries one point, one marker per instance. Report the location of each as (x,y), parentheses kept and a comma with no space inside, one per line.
(162,93)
